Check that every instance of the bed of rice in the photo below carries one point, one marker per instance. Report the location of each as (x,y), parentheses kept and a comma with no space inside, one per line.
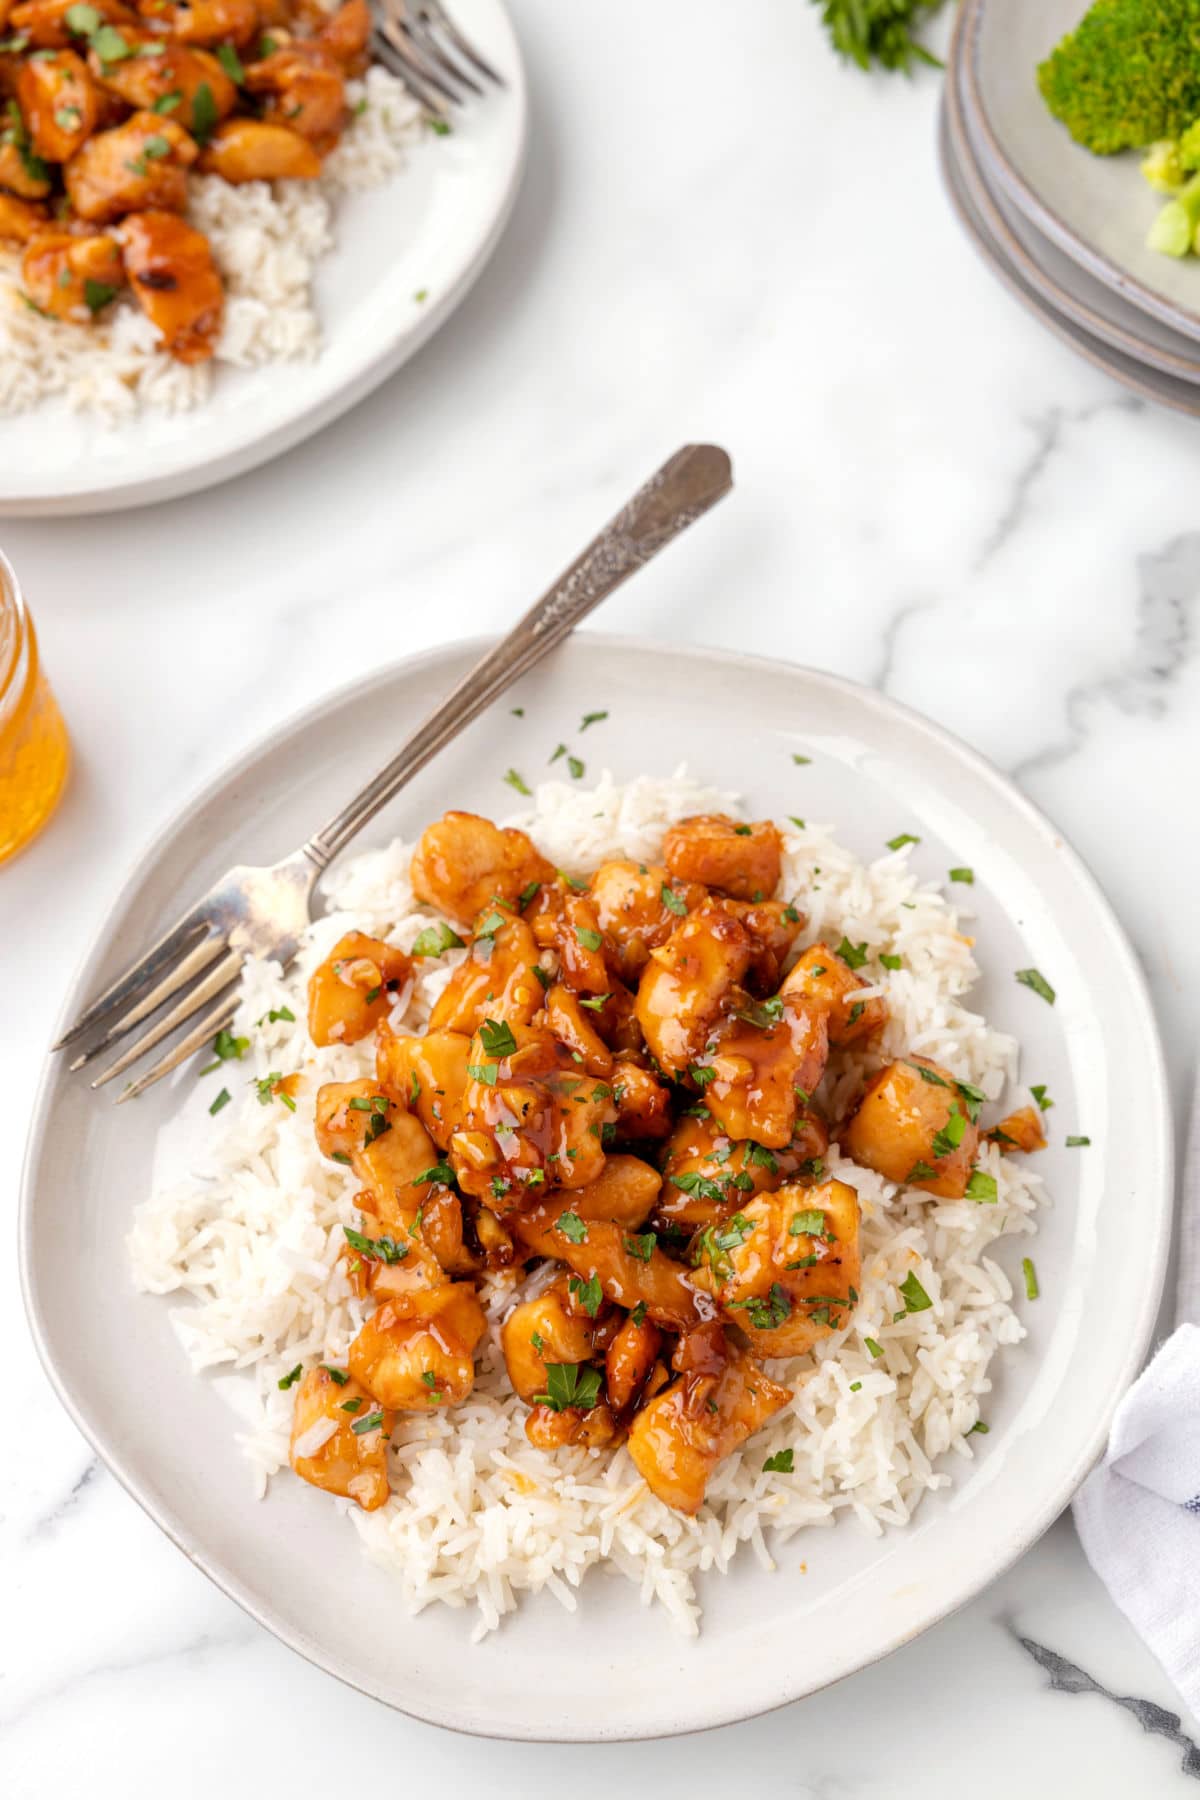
(267,238)
(478,1516)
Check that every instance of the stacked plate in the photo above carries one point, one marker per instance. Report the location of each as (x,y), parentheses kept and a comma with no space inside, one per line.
(1063,229)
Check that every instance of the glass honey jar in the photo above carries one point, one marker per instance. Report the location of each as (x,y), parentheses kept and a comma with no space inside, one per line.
(34,748)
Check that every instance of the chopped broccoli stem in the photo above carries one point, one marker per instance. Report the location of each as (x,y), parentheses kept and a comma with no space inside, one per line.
(1163,166)
(1127,75)
(1175,227)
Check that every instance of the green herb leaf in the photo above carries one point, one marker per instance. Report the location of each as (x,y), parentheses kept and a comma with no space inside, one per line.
(372,1422)
(641,1244)
(205,113)
(231,62)
(82,20)
(1042,1097)
(588,1293)
(166,103)
(487,1072)
(592,718)
(972,1099)
(340,1376)
(570,1384)
(982,1187)
(980,1427)
(672,901)
(352,1406)
(905,837)
(222,1099)
(591,940)
(384,1249)
(947,1140)
(761,1013)
(889,961)
(853,955)
(779,1464)
(1078,1143)
(576,768)
(800,760)
(1032,978)
(572,1227)
(638,1315)
(109,45)
(435,940)
(293,1375)
(1031,1281)
(497,1036)
(921,1171)
(226,1048)
(515,781)
(964,875)
(766,1315)
(798,823)
(807,1224)
(915,1298)
(875,1349)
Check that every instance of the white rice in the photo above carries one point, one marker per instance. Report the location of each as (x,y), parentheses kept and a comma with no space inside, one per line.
(479,1516)
(267,238)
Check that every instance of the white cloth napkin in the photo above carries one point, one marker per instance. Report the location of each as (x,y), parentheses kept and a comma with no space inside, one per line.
(1138,1512)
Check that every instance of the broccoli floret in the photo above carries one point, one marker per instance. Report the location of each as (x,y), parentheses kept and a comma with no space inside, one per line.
(1163,167)
(1189,148)
(1129,73)
(1174,230)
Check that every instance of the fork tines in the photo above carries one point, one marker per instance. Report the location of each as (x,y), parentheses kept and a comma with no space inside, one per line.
(421,44)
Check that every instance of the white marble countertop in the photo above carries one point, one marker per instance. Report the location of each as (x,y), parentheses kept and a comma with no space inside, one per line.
(722,234)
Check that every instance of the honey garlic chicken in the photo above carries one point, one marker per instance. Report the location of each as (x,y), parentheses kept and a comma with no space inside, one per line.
(110,107)
(608,1135)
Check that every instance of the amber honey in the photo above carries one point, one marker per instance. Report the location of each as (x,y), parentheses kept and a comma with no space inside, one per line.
(34,748)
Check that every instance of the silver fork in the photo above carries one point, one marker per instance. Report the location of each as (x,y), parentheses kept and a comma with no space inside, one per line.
(264,912)
(419,42)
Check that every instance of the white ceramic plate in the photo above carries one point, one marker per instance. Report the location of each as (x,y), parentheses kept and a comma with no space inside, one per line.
(979,214)
(613,1670)
(1097,209)
(1065,284)
(430,229)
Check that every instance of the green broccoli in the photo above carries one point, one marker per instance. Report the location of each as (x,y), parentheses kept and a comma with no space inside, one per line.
(1162,166)
(1129,73)
(1174,230)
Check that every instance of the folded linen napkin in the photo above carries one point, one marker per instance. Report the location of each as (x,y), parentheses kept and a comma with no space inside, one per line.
(1138,1512)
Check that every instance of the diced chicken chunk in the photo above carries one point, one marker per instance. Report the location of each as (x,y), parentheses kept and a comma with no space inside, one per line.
(418,1352)
(1021,1130)
(743,861)
(679,1437)
(205,21)
(687,982)
(463,863)
(430,1074)
(167,77)
(628,1361)
(136,167)
(20,220)
(255,150)
(760,1065)
(352,990)
(638,907)
(821,978)
(302,87)
(916,1124)
(541,1331)
(72,277)
(174,278)
(496,980)
(58,101)
(329,1446)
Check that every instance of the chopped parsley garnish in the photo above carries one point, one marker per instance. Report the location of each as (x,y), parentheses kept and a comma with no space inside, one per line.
(526,894)
(638,1315)
(440,127)
(588,1293)
(436,939)
(810,1223)
(518,712)
(791,915)
(798,823)
(761,1157)
(1042,1097)
(538,1342)
(1031,1281)
(980,1427)
(109,45)
(982,1187)
(338,1375)
(372,1422)
(734,1233)
(700,1187)
(591,940)
(205,113)
(915,1298)
(1077,1143)
(947,1140)
(226,1048)
(972,1098)
(82,20)
(270,1088)
(490,926)
(441,1172)
(339,1156)
(921,1171)
(742,831)
(484,1072)
(761,1013)
(384,1249)
(515,781)
(576,768)
(561,750)
(570,1384)
(853,955)
(641,1244)
(595,1002)
(964,875)
(779,1464)
(572,1227)
(293,1375)
(231,62)
(222,1099)
(672,901)
(929,1075)
(905,837)
(875,1349)
(592,718)
(800,760)
(375,1103)
(1033,978)
(540,974)
(353,1405)
(276,1014)
(889,961)
(766,1315)
(702,1074)
(854,1386)
(497,1036)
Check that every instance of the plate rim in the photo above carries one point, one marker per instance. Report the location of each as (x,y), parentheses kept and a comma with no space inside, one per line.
(193,477)
(1041,214)
(1001,1555)
(971,165)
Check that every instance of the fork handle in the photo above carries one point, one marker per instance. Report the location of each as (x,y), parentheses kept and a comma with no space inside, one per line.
(693,480)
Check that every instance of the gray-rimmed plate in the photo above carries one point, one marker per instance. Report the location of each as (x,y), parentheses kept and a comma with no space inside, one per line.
(1097,209)
(613,1670)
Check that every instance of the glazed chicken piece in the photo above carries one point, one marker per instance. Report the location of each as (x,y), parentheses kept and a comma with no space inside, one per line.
(347,34)
(173,276)
(329,1446)
(249,150)
(21,173)
(1021,1130)
(560,1427)
(679,1437)
(387,1148)
(136,167)
(821,978)
(20,220)
(580,946)
(72,277)
(418,1351)
(205,21)
(58,100)
(707,1174)
(530,1117)
(743,861)
(763,1058)
(544,1330)
(637,908)
(916,1124)
(430,1072)
(643,1104)
(302,87)
(44,22)
(572,1025)
(687,983)
(168,78)
(785,1267)
(463,863)
(629,1266)
(629,1360)
(774,926)
(352,990)
(496,980)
